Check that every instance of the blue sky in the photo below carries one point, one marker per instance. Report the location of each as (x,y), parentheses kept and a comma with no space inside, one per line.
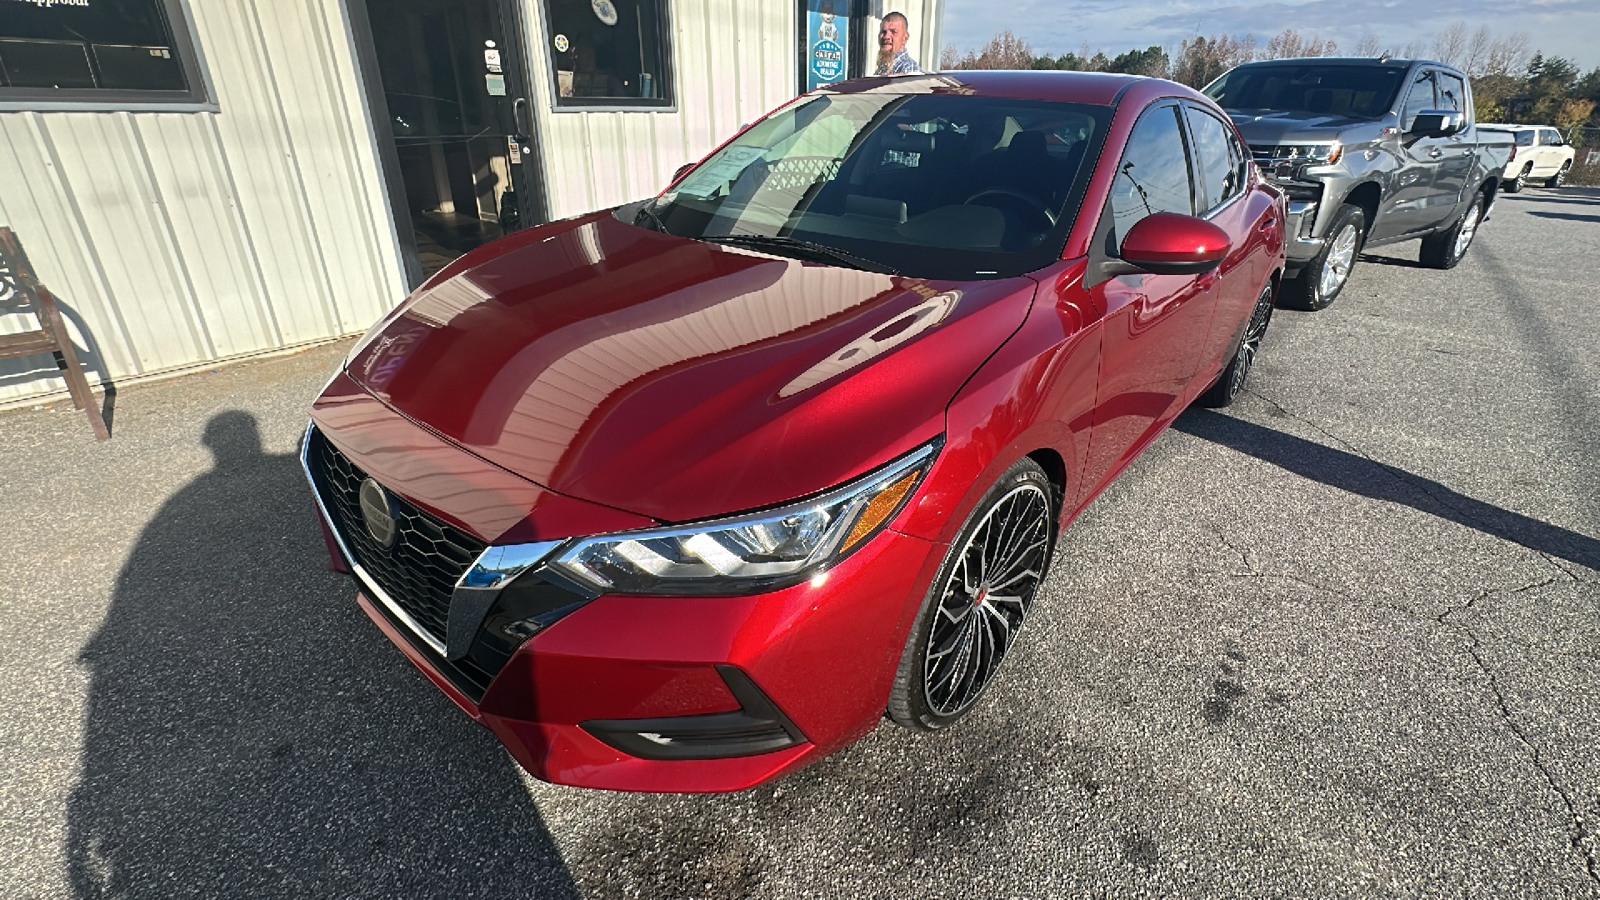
(1569,28)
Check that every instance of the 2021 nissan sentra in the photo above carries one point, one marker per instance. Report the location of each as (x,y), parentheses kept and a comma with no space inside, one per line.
(683,495)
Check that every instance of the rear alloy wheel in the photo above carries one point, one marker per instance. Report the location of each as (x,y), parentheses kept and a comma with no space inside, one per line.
(1230,384)
(1320,282)
(1560,175)
(1518,183)
(978,601)
(1445,249)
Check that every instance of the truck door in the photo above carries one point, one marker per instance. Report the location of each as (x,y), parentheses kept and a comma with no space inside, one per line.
(1410,195)
(1453,167)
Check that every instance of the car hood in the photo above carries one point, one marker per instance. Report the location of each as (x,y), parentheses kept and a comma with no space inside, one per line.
(677,379)
(1267,128)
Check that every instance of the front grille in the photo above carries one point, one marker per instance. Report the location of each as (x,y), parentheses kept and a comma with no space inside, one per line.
(420,570)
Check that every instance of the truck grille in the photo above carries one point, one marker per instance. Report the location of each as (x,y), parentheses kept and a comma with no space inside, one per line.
(420,570)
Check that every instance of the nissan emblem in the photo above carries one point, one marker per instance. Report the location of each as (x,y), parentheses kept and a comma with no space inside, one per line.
(378,513)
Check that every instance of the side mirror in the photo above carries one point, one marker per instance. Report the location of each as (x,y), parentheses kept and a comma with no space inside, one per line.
(682,171)
(1167,243)
(1437,123)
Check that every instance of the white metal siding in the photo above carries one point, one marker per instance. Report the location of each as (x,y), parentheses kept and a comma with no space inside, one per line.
(182,238)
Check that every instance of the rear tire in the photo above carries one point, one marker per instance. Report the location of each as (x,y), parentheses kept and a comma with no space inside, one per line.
(1560,176)
(1230,384)
(1518,183)
(1320,282)
(977,602)
(1445,249)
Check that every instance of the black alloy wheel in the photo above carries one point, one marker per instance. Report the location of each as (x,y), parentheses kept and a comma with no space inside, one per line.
(978,601)
(1230,384)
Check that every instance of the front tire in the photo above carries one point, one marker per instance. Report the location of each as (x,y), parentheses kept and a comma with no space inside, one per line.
(1230,384)
(1560,175)
(1320,282)
(977,602)
(1445,249)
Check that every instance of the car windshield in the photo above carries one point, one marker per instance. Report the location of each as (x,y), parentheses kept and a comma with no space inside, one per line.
(925,185)
(1357,92)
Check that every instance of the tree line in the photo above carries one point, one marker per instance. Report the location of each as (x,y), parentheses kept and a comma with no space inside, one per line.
(1510,81)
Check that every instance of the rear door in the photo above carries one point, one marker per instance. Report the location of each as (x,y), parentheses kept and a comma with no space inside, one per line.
(1155,325)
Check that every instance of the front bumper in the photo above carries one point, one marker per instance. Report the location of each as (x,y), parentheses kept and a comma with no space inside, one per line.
(1302,245)
(822,652)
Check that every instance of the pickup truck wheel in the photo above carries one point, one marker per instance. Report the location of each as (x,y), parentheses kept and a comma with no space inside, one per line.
(1320,282)
(1445,249)
(1518,183)
(1559,176)
(1230,384)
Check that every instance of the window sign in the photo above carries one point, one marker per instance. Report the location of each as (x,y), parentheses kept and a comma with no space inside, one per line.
(113,51)
(827,42)
(609,52)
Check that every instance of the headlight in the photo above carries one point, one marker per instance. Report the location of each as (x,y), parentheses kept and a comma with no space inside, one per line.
(750,553)
(1315,154)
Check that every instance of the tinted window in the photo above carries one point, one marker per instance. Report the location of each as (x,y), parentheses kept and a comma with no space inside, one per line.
(931,185)
(610,52)
(1451,92)
(1418,99)
(1525,138)
(1153,175)
(1552,137)
(126,47)
(1363,92)
(1218,158)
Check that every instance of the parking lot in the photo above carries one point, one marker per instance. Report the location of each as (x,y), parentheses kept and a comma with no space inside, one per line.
(1340,639)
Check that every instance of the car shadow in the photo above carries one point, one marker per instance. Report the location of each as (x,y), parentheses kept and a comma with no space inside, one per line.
(1368,478)
(1571,217)
(249,732)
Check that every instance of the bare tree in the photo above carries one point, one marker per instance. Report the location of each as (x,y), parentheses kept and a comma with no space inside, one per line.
(1477,60)
(1507,55)
(1369,45)
(1288,44)
(1450,45)
(949,57)
(1004,51)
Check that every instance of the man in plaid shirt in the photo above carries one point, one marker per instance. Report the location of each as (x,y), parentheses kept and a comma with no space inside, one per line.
(892,56)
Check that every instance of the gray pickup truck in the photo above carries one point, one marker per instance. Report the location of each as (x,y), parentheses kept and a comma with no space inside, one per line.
(1368,152)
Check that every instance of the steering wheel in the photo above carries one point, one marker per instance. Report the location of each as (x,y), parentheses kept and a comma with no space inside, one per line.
(1035,215)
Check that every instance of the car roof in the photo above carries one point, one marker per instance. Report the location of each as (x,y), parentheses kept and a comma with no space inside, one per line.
(1500,126)
(1395,61)
(1099,88)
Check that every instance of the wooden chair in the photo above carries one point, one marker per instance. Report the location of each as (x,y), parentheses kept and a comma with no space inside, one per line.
(21,292)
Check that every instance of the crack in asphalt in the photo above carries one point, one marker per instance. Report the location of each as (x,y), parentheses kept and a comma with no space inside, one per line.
(1412,481)
(1583,843)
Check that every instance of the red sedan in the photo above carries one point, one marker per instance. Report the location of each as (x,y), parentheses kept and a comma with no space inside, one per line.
(683,495)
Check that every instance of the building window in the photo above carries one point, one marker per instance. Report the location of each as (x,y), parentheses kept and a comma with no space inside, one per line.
(96,53)
(610,53)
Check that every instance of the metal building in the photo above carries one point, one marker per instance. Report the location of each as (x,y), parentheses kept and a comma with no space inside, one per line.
(204,180)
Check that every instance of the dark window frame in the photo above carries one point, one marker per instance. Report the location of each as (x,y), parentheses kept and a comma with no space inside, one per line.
(1197,174)
(198,97)
(668,81)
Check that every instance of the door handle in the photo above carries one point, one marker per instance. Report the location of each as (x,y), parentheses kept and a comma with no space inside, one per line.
(1435,152)
(1267,223)
(519,118)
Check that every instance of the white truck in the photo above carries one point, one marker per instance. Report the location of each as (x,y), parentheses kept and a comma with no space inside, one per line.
(1540,155)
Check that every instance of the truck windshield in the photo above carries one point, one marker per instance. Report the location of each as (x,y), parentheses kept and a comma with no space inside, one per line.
(1357,92)
(921,184)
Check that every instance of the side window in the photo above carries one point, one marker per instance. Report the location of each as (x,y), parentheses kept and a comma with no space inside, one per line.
(106,53)
(1552,137)
(610,53)
(1419,99)
(1215,149)
(1452,93)
(1153,175)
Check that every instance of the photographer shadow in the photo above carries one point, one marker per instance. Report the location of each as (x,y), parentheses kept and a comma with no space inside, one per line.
(250,733)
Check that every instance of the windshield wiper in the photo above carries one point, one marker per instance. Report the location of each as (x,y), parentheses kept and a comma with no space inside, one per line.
(774,242)
(648,211)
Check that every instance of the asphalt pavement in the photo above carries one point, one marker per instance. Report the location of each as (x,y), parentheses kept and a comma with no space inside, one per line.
(1340,639)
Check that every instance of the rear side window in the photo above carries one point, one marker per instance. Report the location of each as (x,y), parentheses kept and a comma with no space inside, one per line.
(1219,157)
(1525,139)
(1153,175)
(1452,92)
